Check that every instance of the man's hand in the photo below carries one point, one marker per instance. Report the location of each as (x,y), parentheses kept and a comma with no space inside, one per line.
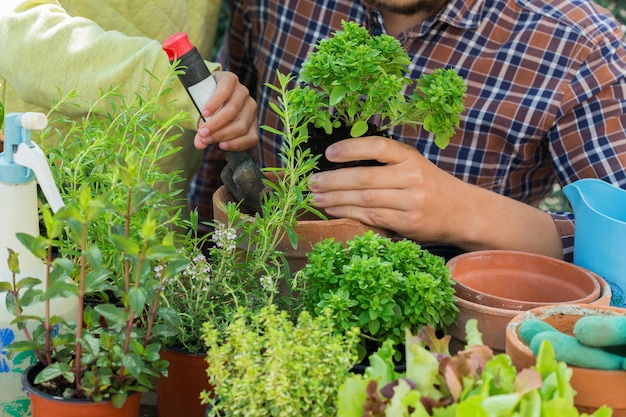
(416,199)
(230,116)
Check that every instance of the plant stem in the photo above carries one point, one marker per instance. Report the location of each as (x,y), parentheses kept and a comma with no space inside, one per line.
(18,314)
(127,234)
(47,326)
(81,306)
(152,311)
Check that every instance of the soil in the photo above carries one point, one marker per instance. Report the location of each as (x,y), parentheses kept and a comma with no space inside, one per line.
(55,387)
(319,141)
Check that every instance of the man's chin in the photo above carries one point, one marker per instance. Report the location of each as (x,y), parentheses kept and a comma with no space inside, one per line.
(406,7)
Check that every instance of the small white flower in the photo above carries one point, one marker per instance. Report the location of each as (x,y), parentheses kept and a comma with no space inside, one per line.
(267,283)
(158,271)
(224,237)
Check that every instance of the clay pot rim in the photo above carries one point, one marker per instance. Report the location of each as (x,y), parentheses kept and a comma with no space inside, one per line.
(473,295)
(564,308)
(516,347)
(31,372)
(495,311)
(571,309)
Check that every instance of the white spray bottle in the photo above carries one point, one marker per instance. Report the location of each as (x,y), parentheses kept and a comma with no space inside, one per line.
(22,165)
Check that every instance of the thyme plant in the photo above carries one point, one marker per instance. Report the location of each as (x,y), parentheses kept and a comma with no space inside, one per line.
(269,365)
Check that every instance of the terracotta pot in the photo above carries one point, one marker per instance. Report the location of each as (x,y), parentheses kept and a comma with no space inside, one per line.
(594,387)
(310,230)
(46,405)
(178,394)
(494,286)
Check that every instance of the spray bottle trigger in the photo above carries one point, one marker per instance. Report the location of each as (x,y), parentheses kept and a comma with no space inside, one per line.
(33,157)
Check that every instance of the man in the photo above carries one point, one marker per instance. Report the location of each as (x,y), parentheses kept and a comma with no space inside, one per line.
(545,104)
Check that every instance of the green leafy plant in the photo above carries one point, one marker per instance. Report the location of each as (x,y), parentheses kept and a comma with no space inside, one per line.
(268,365)
(104,148)
(214,285)
(353,77)
(473,382)
(115,237)
(380,285)
(84,358)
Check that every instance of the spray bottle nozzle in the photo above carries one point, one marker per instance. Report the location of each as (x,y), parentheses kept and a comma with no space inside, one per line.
(34,121)
(22,160)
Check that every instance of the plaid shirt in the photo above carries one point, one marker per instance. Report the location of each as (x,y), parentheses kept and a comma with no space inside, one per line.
(546,89)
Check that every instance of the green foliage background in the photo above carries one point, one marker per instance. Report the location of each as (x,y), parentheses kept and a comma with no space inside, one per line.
(617,7)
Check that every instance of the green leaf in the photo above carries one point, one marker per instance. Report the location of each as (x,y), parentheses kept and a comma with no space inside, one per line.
(92,344)
(111,313)
(53,371)
(137,298)
(13,261)
(160,252)
(96,280)
(60,289)
(125,245)
(359,129)
(30,296)
(94,257)
(169,315)
(118,399)
(36,244)
(133,364)
(23,346)
(337,94)
(27,283)
(351,397)
(374,326)
(293,236)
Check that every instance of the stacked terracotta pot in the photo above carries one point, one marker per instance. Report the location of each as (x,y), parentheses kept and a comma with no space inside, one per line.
(495,286)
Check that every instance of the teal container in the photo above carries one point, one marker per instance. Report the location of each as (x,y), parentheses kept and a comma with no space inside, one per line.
(600,235)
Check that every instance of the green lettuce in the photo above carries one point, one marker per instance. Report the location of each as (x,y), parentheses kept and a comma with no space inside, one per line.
(472,383)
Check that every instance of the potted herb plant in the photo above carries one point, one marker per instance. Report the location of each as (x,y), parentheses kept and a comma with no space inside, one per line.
(270,364)
(191,295)
(210,290)
(471,382)
(354,84)
(380,285)
(345,85)
(113,242)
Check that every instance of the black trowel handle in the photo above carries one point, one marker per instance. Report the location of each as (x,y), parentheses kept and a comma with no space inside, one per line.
(241,174)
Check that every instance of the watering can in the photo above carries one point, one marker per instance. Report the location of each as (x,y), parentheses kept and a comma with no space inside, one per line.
(22,166)
(600,235)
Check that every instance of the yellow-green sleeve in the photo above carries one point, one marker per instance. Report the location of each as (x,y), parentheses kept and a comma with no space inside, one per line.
(45,49)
